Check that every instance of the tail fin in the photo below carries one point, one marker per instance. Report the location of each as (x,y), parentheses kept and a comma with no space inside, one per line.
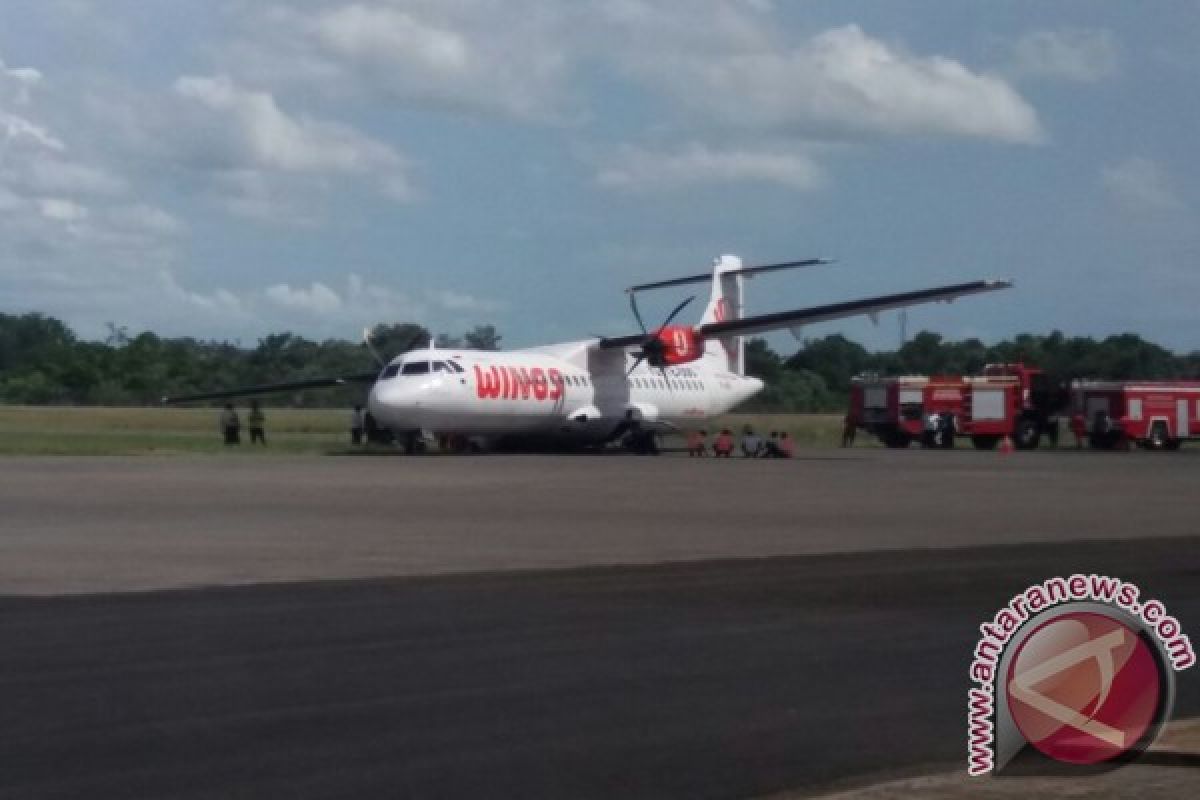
(725,304)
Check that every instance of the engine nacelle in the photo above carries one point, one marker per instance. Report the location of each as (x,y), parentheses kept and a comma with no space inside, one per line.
(675,344)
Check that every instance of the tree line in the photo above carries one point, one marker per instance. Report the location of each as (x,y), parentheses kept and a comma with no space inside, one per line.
(42,362)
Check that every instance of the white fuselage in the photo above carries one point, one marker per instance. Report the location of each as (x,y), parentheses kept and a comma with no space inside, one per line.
(574,389)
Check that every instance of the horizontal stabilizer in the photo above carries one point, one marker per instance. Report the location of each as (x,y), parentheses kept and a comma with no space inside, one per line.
(707,276)
(270,388)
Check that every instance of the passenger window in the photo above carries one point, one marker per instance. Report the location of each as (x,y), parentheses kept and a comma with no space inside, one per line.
(416,368)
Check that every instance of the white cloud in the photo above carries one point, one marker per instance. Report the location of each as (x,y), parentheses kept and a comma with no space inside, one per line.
(460,301)
(19,130)
(638,170)
(1078,55)
(316,299)
(253,131)
(16,83)
(56,208)
(1140,184)
(392,36)
(59,175)
(510,59)
(146,219)
(731,67)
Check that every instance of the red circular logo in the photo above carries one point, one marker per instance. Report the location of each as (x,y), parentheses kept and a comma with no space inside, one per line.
(1084,688)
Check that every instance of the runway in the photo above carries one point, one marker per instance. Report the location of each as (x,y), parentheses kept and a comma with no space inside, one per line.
(120,524)
(691,630)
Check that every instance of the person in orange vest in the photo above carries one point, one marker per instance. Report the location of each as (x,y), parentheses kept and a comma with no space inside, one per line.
(696,446)
(723,446)
(786,445)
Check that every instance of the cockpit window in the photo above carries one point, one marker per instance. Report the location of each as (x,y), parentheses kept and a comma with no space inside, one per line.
(416,368)
(454,365)
(441,366)
(390,372)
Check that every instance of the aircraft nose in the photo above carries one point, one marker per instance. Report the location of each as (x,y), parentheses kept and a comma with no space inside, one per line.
(400,404)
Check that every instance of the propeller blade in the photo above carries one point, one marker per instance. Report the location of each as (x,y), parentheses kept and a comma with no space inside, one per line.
(371,347)
(674,313)
(636,314)
(640,358)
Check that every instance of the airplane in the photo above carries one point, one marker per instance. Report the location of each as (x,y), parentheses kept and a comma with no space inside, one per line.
(590,392)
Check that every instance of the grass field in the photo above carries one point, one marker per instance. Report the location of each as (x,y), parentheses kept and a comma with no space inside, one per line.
(54,430)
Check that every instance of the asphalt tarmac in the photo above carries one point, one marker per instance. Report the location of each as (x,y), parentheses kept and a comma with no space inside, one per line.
(692,630)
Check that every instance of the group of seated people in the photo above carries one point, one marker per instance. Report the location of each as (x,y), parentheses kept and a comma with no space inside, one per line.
(777,445)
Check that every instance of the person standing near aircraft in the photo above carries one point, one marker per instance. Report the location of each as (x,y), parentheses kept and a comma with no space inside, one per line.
(786,448)
(358,421)
(933,426)
(1079,429)
(257,422)
(696,443)
(723,446)
(230,425)
(849,430)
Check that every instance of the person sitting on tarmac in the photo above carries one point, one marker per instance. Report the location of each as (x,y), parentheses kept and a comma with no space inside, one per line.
(696,446)
(786,448)
(771,446)
(752,444)
(723,446)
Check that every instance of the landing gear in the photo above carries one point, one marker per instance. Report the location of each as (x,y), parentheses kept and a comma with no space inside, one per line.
(376,434)
(642,442)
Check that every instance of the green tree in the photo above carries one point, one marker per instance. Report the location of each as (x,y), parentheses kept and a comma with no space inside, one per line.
(392,340)
(482,337)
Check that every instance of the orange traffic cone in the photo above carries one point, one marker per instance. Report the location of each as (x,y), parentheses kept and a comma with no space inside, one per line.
(1006,445)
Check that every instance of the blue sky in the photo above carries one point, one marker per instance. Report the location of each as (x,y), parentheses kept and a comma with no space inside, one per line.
(228,169)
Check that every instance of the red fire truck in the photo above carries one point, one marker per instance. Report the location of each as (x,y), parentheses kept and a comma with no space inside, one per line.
(1011,400)
(896,408)
(1158,415)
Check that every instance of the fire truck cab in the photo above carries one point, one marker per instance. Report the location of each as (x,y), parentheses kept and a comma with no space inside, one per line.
(1013,400)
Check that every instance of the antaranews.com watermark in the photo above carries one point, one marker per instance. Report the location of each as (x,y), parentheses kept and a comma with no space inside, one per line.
(1079,667)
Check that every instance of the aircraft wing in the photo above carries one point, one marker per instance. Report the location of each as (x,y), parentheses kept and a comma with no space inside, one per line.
(805,316)
(268,388)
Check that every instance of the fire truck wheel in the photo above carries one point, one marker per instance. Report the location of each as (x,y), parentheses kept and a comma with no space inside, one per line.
(1158,437)
(1027,435)
(985,442)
